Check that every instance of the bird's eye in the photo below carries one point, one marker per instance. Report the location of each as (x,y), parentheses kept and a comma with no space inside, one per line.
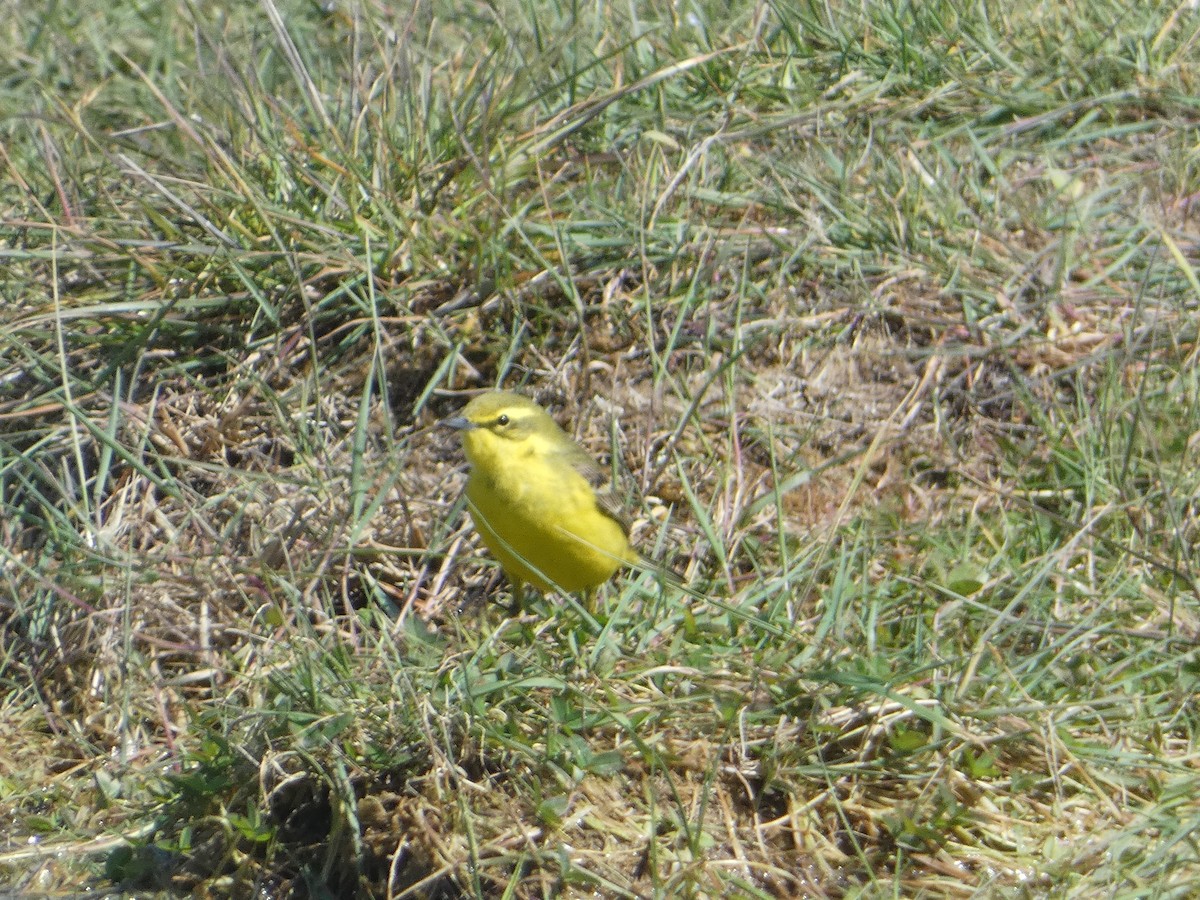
(502,420)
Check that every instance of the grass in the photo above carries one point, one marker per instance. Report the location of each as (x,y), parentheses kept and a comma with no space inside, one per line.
(886,314)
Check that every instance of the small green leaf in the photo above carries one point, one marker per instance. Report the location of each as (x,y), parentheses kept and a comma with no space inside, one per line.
(964,580)
(606,763)
(905,740)
(551,810)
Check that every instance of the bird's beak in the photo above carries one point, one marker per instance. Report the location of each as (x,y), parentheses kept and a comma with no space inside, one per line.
(458,423)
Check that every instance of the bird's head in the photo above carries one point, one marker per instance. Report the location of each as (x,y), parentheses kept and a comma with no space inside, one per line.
(500,421)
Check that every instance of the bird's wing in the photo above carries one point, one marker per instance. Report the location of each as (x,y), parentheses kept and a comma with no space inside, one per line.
(579,460)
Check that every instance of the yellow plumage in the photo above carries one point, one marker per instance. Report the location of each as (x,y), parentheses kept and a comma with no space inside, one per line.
(532,496)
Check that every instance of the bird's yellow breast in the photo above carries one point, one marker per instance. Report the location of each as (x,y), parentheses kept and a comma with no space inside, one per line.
(539,516)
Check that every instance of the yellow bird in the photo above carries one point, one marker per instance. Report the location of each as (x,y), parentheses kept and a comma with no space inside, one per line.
(533,496)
